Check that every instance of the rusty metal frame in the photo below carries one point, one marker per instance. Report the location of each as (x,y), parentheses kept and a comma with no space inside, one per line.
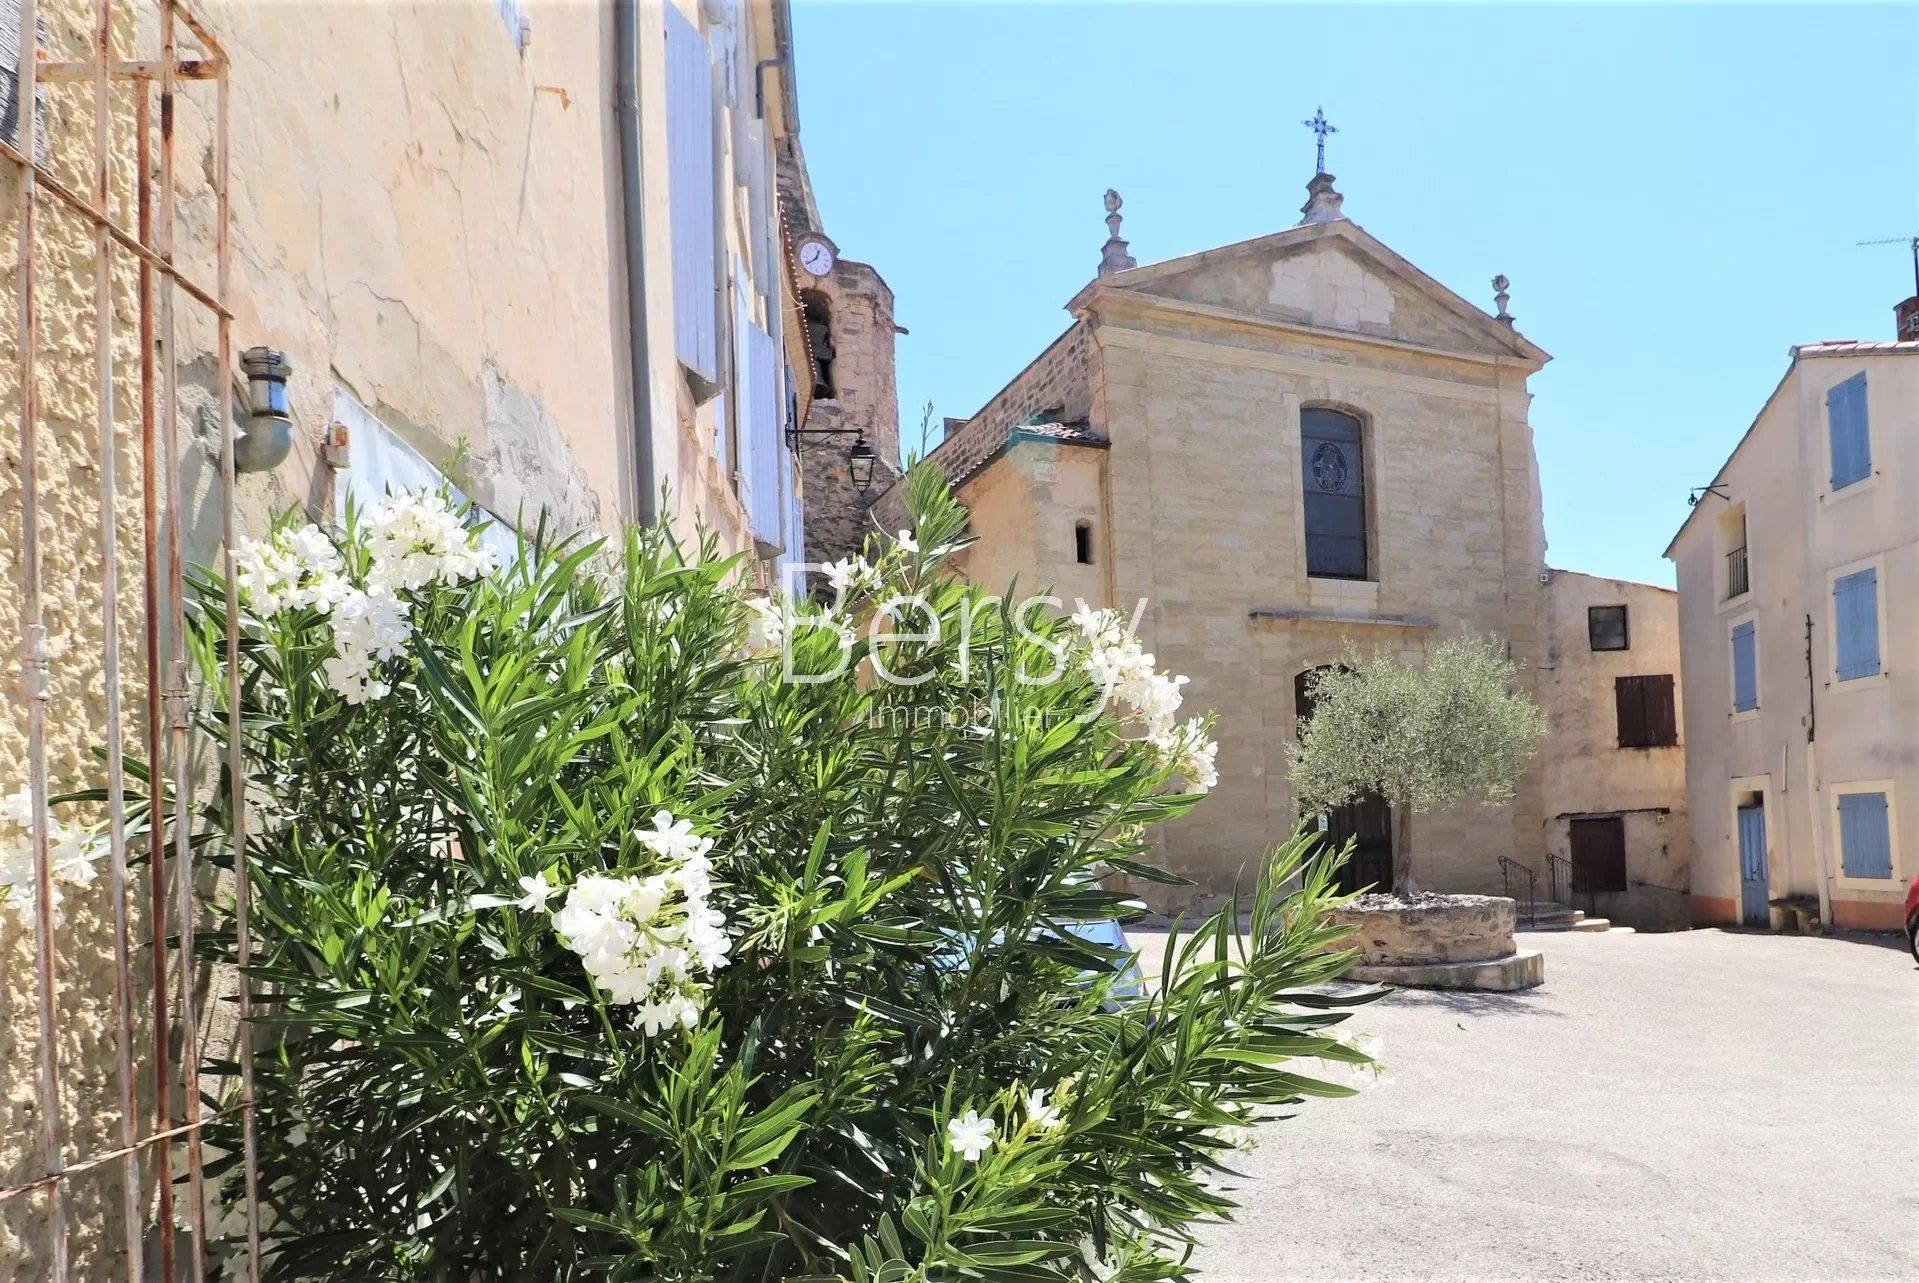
(167,696)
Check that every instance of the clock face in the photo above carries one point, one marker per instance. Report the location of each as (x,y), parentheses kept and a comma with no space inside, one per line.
(816,258)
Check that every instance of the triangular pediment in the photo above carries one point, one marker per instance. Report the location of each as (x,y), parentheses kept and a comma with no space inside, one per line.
(1334,277)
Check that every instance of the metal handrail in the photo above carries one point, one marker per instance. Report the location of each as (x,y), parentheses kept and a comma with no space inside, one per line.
(1556,880)
(1512,871)
(1738,573)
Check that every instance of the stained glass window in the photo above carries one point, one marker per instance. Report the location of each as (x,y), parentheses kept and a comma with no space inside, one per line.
(1335,494)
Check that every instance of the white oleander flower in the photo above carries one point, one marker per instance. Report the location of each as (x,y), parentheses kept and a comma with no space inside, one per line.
(650,942)
(1189,752)
(368,627)
(907,542)
(538,891)
(72,852)
(970,1135)
(1042,1115)
(850,576)
(292,569)
(417,539)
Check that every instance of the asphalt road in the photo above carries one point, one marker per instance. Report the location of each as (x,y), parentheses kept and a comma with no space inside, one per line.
(1700,1105)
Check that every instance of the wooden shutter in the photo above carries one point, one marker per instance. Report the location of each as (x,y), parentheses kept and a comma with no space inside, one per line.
(1855,612)
(763,453)
(1662,717)
(1644,706)
(1745,669)
(1865,835)
(1630,704)
(690,195)
(1848,431)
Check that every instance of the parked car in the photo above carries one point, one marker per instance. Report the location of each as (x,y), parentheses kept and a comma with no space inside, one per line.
(1912,917)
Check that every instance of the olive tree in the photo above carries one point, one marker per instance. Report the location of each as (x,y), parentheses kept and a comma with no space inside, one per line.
(1423,736)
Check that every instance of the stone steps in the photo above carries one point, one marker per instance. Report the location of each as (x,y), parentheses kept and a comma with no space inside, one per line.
(1549,916)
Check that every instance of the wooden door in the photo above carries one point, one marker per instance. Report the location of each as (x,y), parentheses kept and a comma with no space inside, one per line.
(1754,909)
(1599,855)
(1367,822)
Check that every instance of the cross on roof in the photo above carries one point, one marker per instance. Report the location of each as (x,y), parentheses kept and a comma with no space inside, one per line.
(1320,126)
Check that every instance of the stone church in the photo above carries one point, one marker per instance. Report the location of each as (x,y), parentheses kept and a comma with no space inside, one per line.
(1284,447)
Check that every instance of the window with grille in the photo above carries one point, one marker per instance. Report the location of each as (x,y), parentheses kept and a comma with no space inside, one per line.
(1606,628)
(1335,494)
(1645,711)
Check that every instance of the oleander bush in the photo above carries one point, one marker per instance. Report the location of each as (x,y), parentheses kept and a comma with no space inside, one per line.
(612,922)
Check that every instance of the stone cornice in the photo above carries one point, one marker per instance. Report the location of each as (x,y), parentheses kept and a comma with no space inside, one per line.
(1109,334)
(1132,300)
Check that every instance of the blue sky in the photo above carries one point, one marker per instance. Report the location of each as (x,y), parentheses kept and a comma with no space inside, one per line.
(1676,192)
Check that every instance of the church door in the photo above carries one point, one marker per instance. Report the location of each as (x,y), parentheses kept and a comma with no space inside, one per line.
(1367,822)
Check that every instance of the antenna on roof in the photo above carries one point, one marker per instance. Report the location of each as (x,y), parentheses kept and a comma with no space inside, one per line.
(1902,240)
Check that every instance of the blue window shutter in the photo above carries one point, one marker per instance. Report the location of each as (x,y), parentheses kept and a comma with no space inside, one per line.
(1745,670)
(763,451)
(690,195)
(1855,612)
(1865,835)
(1849,432)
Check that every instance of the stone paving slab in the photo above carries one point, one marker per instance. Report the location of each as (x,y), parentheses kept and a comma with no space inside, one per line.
(1709,1105)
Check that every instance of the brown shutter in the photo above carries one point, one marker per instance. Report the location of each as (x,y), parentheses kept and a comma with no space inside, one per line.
(1631,708)
(1662,724)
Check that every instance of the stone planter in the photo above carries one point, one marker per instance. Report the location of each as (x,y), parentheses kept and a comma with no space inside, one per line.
(1439,941)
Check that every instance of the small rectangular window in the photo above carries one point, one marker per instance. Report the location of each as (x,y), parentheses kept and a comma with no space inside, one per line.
(1745,669)
(1083,542)
(1855,624)
(1865,835)
(1644,706)
(1606,627)
(1848,431)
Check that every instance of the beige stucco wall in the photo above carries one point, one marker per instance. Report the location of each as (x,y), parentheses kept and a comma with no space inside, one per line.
(422,213)
(1584,771)
(1800,535)
(1025,506)
(69,515)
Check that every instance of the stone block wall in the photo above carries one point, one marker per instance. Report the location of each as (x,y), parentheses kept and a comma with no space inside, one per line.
(1208,529)
(866,400)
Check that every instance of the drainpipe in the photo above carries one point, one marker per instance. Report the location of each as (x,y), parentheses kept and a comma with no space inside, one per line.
(1814,810)
(626,39)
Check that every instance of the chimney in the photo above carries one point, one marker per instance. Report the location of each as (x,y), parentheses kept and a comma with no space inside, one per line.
(1906,316)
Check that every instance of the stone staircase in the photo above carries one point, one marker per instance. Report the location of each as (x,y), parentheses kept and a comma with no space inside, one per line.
(1550,916)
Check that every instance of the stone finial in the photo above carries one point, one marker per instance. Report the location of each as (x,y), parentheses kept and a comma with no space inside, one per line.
(1500,299)
(1113,256)
(1322,202)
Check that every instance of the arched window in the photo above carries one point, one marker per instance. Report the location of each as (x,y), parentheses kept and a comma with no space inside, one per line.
(819,332)
(1083,542)
(1335,494)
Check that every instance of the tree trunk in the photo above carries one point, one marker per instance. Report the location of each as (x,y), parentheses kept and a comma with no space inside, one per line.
(1403,848)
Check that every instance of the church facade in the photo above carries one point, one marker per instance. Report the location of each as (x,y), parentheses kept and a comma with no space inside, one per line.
(1283,448)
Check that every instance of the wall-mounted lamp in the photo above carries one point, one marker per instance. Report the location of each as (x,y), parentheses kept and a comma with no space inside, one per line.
(269,434)
(859,461)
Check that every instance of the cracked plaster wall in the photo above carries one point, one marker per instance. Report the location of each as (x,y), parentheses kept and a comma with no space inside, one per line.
(419,210)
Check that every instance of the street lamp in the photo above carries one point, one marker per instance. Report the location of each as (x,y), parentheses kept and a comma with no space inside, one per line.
(859,461)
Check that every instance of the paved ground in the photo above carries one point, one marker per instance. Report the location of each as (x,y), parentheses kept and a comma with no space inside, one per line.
(1700,1105)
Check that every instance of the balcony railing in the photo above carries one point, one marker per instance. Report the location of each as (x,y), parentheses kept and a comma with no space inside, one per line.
(1738,576)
